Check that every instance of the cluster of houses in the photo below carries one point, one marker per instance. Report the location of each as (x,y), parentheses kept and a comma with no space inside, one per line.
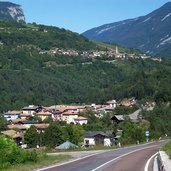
(19,122)
(91,54)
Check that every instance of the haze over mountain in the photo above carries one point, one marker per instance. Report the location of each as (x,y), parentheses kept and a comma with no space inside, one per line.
(150,33)
(11,11)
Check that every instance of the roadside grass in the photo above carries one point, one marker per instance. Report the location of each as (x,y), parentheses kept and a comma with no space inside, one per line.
(43,161)
(91,148)
(47,160)
(167,149)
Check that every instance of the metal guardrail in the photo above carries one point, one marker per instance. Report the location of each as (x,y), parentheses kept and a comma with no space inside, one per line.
(160,163)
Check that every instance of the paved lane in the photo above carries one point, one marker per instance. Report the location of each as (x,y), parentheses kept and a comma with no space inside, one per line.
(124,159)
(132,162)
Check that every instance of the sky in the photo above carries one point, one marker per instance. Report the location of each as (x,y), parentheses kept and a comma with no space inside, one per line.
(82,15)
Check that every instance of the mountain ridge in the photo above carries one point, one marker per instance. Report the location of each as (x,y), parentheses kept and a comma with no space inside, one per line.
(11,11)
(150,33)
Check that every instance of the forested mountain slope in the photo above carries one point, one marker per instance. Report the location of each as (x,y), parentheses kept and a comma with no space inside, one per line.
(150,33)
(30,77)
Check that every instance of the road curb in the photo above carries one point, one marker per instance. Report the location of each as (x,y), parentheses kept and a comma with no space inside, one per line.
(164,162)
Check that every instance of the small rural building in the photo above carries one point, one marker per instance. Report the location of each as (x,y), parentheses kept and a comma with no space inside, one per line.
(112,103)
(18,127)
(44,115)
(69,116)
(41,126)
(10,115)
(117,119)
(17,137)
(92,138)
(31,109)
(106,109)
(28,123)
(80,120)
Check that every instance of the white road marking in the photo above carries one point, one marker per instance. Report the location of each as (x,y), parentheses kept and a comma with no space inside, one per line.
(49,167)
(119,157)
(52,166)
(148,162)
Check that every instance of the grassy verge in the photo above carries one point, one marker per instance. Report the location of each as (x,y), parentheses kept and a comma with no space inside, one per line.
(167,149)
(43,160)
(93,148)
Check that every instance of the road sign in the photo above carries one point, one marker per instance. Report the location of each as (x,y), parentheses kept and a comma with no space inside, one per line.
(147,133)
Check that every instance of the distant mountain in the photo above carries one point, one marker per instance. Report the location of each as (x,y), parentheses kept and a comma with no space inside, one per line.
(10,11)
(150,33)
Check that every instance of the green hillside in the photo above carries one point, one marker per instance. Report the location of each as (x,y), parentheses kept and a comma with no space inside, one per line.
(120,48)
(41,36)
(30,77)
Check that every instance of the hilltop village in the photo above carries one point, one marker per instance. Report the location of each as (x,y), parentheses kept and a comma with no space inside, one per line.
(111,53)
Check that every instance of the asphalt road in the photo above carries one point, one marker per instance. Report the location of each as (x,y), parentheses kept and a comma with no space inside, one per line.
(123,159)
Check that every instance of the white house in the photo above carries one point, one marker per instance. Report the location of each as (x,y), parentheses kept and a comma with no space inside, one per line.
(10,115)
(80,120)
(69,117)
(112,103)
(92,138)
(31,109)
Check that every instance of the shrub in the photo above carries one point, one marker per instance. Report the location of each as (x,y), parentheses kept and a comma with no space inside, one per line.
(11,154)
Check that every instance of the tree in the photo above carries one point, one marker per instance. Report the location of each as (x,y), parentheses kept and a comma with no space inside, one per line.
(32,137)
(11,154)
(53,135)
(131,133)
(3,123)
(145,125)
(35,118)
(48,120)
(74,133)
(159,119)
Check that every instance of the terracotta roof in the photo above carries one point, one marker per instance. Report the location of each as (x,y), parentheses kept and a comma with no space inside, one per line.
(44,113)
(70,113)
(126,103)
(21,127)
(57,107)
(13,112)
(25,115)
(96,106)
(12,133)
(41,126)
(64,107)
(75,107)
(80,118)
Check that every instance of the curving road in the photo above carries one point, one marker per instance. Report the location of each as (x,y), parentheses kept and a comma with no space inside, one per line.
(124,159)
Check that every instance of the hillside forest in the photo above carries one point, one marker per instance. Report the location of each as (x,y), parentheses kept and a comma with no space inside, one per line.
(29,77)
